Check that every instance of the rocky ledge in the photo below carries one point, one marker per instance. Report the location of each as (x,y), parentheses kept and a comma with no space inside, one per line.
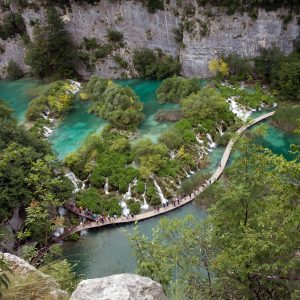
(119,287)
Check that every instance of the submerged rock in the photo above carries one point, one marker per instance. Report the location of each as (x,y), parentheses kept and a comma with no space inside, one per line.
(168,115)
(119,287)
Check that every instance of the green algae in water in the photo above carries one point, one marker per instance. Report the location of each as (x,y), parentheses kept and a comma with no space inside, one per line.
(16,95)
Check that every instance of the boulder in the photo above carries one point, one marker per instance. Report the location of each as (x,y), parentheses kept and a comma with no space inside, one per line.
(119,287)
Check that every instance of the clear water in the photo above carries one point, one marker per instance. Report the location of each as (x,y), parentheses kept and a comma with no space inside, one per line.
(74,129)
(107,251)
(15,94)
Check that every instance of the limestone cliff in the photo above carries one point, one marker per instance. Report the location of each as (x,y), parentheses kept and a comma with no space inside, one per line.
(211,33)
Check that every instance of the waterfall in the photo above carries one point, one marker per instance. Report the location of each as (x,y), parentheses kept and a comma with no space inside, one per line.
(145,204)
(74,87)
(128,193)
(83,232)
(61,211)
(160,193)
(59,231)
(210,141)
(126,210)
(75,182)
(220,129)
(106,187)
(186,173)
(172,154)
(198,139)
(239,110)
(47,131)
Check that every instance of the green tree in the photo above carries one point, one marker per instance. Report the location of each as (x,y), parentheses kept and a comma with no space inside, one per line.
(289,78)
(176,88)
(51,54)
(151,64)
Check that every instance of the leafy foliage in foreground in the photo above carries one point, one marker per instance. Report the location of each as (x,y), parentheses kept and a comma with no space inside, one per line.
(30,177)
(247,246)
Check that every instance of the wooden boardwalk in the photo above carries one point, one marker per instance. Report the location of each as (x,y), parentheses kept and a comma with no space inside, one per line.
(170,207)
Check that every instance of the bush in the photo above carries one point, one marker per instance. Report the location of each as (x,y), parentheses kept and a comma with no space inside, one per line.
(13,70)
(134,206)
(120,105)
(155,64)
(176,88)
(12,24)
(103,51)
(90,44)
(114,35)
(287,118)
(153,5)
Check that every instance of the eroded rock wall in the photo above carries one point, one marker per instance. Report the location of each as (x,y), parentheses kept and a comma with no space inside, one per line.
(224,34)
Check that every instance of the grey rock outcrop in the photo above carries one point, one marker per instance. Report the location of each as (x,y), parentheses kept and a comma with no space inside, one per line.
(119,287)
(22,268)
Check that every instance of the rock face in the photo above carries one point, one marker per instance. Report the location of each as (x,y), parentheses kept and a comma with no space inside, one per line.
(119,287)
(22,268)
(213,33)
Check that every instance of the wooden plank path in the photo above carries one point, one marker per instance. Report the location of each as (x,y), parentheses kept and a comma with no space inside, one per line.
(170,207)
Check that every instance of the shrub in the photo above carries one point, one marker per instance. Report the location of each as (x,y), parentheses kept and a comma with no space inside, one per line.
(90,44)
(134,206)
(13,70)
(103,51)
(287,117)
(121,62)
(12,24)
(153,5)
(114,35)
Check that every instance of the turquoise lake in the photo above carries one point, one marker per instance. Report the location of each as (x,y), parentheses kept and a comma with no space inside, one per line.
(107,251)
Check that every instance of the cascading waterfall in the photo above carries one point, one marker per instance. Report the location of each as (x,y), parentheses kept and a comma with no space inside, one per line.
(160,193)
(173,154)
(78,184)
(106,187)
(145,204)
(59,231)
(128,193)
(186,173)
(239,110)
(211,143)
(220,129)
(198,139)
(47,131)
(126,210)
